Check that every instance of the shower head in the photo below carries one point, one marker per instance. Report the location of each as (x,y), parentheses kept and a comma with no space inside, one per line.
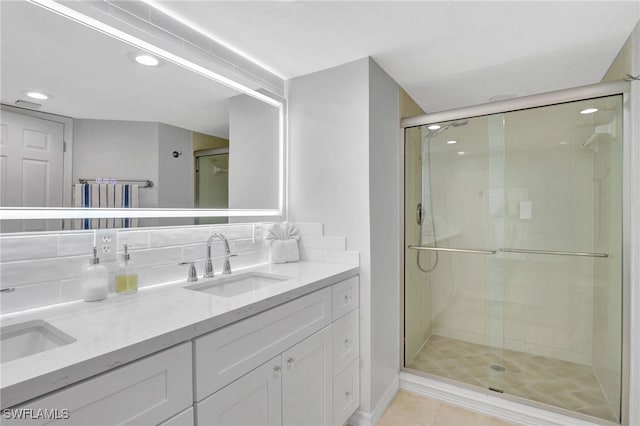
(456,123)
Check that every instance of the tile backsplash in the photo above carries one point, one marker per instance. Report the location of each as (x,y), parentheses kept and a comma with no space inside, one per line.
(46,268)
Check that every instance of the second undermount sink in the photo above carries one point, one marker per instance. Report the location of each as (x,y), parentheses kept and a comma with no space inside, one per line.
(30,337)
(235,285)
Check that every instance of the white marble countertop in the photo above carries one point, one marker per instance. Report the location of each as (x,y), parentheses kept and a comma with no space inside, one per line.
(122,329)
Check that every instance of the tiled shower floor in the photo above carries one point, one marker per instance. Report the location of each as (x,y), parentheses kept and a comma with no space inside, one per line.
(550,381)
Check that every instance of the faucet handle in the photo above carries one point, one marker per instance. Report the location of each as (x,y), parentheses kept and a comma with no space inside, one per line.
(193,273)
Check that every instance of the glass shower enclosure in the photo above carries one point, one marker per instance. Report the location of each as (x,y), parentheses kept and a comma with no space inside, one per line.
(513,254)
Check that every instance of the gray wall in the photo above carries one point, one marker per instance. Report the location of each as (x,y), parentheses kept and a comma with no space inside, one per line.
(117,149)
(253,154)
(175,175)
(384,189)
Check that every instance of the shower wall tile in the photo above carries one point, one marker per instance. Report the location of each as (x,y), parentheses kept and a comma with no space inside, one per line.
(547,301)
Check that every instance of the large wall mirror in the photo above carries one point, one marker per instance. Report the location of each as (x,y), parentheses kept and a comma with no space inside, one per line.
(91,137)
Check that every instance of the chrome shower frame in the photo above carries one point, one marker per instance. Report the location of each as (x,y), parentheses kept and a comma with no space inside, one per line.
(630,226)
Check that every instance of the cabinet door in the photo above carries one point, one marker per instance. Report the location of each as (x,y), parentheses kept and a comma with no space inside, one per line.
(254,399)
(307,381)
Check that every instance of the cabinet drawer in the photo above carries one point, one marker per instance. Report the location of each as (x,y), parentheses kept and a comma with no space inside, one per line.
(228,353)
(346,341)
(345,296)
(147,391)
(346,393)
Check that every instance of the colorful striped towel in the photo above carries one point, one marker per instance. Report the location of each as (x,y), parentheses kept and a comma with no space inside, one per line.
(94,195)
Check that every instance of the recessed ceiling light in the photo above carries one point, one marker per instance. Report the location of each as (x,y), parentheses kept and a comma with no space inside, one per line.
(147,60)
(452,142)
(433,127)
(37,95)
(589,111)
(461,152)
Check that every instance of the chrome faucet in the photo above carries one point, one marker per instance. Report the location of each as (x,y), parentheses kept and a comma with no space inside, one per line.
(193,274)
(208,266)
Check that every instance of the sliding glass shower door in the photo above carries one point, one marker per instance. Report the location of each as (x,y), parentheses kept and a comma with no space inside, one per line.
(513,253)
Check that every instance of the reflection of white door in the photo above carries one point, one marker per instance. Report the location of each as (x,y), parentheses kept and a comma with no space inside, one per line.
(31,159)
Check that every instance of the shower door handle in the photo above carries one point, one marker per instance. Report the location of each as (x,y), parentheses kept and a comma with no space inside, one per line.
(454,250)
(552,252)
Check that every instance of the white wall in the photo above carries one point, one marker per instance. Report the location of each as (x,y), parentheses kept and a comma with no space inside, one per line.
(253,154)
(344,171)
(117,149)
(329,168)
(634,235)
(384,199)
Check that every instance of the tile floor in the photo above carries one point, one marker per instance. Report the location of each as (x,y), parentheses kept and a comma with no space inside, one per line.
(550,381)
(407,409)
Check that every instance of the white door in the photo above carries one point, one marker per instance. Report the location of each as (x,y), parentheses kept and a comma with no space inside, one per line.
(31,162)
(254,399)
(307,385)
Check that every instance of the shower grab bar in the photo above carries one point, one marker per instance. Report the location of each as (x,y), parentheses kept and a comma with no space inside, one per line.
(454,250)
(556,253)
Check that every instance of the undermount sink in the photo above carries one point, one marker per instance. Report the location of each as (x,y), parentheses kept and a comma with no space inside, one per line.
(30,337)
(237,284)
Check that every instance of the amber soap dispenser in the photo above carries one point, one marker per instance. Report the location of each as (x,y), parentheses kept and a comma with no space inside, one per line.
(127,275)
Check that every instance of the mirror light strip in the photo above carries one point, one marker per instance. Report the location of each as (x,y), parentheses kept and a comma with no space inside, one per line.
(76,213)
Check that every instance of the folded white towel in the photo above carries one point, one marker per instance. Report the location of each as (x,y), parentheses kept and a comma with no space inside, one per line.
(283,239)
(283,231)
(284,251)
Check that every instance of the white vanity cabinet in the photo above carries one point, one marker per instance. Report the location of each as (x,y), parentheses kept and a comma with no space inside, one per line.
(283,366)
(294,364)
(144,392)
(294,388)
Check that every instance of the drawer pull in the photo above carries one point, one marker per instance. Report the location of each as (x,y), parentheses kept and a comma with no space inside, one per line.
(347,298)
(347,394)
(291,362)
(276,370)
(347,343)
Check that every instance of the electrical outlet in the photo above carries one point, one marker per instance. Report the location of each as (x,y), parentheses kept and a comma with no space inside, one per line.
(107,244)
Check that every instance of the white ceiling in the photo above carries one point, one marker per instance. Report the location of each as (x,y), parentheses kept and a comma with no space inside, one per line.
(445,54)
(91,75)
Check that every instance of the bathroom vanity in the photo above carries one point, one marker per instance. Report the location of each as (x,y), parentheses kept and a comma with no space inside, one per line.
(282,353)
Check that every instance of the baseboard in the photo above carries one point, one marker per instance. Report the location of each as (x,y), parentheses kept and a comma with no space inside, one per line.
(487,404)
(360,418)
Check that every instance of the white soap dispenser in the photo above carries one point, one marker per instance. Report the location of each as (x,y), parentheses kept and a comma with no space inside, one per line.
(96,280)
